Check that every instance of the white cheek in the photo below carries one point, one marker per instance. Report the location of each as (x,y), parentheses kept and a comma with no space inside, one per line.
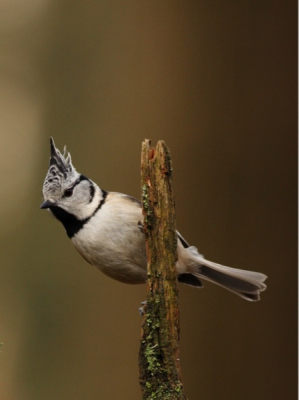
(84,211)
(79,208)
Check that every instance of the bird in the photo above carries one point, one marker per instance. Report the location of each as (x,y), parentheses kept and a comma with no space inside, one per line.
(105,229)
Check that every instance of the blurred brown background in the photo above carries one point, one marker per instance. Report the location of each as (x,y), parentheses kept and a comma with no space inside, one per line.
(218,82)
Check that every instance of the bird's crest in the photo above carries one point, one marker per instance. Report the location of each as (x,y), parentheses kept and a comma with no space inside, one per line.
(61,171)
(62,161)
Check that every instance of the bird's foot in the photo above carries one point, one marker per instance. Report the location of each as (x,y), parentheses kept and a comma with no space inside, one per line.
(140,226)
(141,309)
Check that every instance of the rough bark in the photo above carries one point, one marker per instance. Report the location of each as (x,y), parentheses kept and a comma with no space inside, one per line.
(159,363)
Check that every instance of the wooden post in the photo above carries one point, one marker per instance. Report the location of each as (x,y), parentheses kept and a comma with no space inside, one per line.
(159,363)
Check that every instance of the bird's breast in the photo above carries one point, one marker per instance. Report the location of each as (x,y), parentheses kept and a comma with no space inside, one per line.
(114,244)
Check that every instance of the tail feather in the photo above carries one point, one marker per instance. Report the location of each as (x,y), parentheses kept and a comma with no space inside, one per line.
(247,284)
(193,267)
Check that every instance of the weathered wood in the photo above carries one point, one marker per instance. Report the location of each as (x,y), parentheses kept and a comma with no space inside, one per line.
(159,364)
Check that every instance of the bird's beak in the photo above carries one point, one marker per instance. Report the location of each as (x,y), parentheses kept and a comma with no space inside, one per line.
(47,204)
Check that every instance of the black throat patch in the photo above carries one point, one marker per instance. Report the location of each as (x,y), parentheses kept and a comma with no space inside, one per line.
(70,222)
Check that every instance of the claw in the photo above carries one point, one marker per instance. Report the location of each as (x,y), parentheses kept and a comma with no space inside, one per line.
(140,226)
(141,309)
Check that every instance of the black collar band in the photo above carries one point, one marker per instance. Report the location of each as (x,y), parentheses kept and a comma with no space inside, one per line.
(70,222)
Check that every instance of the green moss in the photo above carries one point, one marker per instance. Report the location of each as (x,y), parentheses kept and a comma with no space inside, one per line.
(146,207)
(163,391)
(151,355)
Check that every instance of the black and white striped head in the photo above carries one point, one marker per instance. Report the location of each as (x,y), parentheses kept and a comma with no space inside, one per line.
(67,191)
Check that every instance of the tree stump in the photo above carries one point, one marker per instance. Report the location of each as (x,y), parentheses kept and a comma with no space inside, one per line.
(159,363)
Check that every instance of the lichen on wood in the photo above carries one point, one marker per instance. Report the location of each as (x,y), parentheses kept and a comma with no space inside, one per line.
(159,363)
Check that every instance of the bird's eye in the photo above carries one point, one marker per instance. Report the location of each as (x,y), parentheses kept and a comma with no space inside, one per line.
(68,192)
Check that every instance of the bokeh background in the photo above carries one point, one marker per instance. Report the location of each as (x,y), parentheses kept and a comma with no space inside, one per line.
(217,80)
